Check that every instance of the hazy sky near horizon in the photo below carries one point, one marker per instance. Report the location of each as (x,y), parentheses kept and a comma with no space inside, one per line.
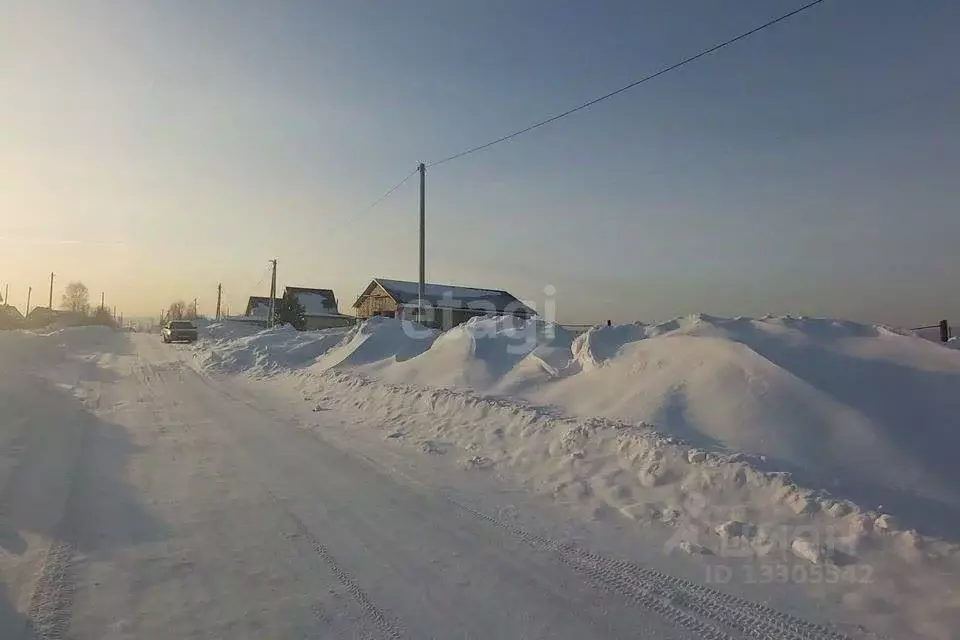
(154,148)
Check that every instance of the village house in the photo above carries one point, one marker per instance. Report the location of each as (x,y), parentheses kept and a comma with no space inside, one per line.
(319,305)
(445,306)
(259,307)
(10,317)
(320,308)
(43,316)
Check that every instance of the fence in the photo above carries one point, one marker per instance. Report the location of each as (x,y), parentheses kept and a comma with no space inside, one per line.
(944,331)
(577,329)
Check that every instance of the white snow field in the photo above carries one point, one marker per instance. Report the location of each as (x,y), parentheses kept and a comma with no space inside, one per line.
(495,481)
(811,446)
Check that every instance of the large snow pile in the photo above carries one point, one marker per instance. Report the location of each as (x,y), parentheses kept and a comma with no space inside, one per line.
(382,340)
(235,347)
(485,353)
(865,411)
(768,421)
(862,409)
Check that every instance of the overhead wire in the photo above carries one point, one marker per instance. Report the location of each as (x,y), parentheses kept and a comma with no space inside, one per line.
(383,197)
(373,205)
(656,74)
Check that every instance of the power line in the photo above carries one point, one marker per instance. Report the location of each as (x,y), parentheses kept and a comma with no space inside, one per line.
(656,74)
(385,195)
(265,273)
(372,205)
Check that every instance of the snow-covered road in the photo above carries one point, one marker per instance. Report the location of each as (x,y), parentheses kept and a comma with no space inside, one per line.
(142,498)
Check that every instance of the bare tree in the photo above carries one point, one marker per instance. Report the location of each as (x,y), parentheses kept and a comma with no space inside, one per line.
(76,298)
(102,316)
(191,312)
(177,310)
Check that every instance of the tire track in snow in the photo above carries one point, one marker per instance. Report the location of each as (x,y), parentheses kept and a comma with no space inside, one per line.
(51,604)
(388,628)
(686,604)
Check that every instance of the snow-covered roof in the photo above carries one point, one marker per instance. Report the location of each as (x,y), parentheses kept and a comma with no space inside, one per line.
(445,296)
(260,305)
(316,302)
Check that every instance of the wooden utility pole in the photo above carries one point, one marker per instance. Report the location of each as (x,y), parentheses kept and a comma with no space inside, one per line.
(51,290)
(423,235)
(103,300)
(219,297)
(273,293)
(6,294)
(29,293)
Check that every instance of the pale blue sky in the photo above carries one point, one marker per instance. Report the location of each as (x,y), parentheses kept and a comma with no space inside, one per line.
(153,149)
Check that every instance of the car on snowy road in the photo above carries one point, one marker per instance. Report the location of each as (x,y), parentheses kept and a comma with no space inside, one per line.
(179,331)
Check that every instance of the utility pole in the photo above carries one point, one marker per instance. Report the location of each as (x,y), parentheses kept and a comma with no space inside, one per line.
(6,294)
(273,293)
(29,293)
(423,236)
(51,290)
(196,311)
(103,301)
(219,297)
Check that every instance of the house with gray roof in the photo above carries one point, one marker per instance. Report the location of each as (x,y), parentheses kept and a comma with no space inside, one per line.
(320,308)
(445,306)
(259,306)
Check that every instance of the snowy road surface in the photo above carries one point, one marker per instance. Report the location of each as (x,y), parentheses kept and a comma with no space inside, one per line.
(144,499)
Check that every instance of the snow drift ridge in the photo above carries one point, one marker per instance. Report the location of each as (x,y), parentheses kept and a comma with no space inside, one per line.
(862,410)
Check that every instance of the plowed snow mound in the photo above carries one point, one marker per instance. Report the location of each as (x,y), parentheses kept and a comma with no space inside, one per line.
(847,406)
(864,411)
(483,353)
(267,350)
(379,340)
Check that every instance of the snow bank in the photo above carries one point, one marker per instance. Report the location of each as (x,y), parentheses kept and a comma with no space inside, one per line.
(378,340)
(769,422)
(850,407)
(23,346)
(486,353)
(68,358)
(232,347)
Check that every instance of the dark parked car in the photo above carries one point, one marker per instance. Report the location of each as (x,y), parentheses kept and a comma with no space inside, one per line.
(179,331)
